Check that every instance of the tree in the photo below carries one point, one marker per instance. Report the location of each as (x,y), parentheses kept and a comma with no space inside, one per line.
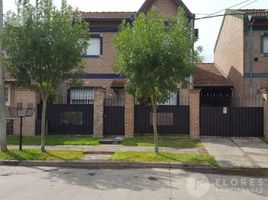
(3,145)
(44,47)
(156,57)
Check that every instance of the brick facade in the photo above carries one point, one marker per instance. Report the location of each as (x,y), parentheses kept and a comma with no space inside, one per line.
(105,25)
(229,52)
(129,116)
(195,113)
(99,95)
(232,52)
(24,96)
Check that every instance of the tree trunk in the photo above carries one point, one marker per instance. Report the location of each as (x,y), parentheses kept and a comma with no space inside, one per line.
(43,122)
(3,144)
(154,106)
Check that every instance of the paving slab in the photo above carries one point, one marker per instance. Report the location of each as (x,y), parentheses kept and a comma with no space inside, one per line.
(227,153)
(255,148)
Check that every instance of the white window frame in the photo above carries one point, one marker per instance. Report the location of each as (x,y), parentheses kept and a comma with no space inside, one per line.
(265,47)
(8,86)
(95,55)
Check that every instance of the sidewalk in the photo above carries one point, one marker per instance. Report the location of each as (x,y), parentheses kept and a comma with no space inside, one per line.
(238,152)
(108,148)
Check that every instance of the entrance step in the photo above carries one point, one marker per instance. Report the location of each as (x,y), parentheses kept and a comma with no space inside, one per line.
(112,140)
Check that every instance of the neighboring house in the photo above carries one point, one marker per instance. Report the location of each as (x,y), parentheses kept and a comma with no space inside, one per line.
(241,50)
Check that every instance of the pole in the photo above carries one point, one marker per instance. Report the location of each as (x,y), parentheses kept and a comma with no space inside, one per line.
(20,133)
(250,56)
(3,145)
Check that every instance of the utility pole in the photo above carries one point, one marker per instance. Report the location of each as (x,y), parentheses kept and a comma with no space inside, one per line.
(3,145)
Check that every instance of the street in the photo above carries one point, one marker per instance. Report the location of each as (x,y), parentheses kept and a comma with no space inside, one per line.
(58,183)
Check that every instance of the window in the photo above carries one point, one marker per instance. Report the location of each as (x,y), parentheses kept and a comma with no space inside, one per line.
(172,101)
(264,49)
(7,94)
(95,46)
(82,96)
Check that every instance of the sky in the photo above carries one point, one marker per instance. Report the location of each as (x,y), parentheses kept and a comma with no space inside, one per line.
(208,28)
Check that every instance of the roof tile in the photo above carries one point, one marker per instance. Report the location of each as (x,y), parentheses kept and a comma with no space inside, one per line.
(207,74)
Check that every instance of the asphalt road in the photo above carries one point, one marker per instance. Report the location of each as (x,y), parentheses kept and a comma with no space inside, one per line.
(21,183)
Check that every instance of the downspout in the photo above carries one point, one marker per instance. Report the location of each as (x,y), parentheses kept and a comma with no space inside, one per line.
(250,54)
(193,35)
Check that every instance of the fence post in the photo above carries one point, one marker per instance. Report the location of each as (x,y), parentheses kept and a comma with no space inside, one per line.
(129,116)
(265,120)
(194,113)
(264,94)
(99,95)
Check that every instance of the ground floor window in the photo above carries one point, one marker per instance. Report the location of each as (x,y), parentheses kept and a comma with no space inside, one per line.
(172,101)
(82,96)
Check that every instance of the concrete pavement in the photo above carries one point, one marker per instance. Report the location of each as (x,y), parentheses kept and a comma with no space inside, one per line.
(238,152)
(110,148)
(159,184)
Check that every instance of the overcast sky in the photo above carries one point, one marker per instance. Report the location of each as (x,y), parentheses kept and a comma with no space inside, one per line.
(208,28)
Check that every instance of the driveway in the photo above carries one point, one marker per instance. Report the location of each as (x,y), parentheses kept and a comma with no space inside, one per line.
(238,152)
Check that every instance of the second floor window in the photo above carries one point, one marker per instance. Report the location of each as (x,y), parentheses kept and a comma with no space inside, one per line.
(94,49)
(265,44)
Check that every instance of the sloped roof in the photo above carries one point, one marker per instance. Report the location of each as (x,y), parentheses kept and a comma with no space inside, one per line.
(253,12)
(207,75)
(107,15)
(178,2)
(126,15)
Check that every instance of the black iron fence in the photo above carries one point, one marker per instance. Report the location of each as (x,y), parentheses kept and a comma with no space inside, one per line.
(236,101)
(232,116)
(67,119)
(10,126)
(170,119)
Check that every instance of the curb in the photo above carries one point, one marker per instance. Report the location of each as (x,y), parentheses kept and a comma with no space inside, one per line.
(254,172)
(102,164)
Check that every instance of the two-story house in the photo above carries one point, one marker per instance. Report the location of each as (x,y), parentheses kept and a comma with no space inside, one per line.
(100,58)
(101,53)
(241,50)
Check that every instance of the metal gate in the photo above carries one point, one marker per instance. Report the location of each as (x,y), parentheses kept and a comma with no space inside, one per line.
(114,115)
(231,121)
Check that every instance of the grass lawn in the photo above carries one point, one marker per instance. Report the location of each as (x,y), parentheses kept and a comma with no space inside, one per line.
(55,140)
(35,154)
(163,142)
(147,156)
